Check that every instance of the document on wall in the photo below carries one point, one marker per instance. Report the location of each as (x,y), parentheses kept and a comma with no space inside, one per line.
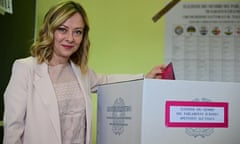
(203,41)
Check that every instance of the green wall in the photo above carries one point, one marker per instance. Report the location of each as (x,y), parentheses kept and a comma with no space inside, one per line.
(124,39)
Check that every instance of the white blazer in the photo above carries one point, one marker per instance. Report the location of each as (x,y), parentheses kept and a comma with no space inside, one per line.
(31,110)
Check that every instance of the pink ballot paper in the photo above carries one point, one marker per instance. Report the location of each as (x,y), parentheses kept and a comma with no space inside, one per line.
(168,72)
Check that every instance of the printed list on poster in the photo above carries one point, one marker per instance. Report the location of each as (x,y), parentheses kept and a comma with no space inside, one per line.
(203,41)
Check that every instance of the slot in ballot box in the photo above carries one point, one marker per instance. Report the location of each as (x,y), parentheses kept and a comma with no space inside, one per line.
(151,111)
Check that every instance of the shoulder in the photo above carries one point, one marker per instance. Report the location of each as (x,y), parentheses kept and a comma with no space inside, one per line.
(91,73)
(27,63)
(77,69)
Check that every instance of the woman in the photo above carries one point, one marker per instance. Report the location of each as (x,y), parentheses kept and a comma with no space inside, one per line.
(47,100)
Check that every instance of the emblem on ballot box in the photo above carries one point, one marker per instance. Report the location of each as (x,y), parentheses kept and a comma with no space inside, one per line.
(118,114)
(202,132)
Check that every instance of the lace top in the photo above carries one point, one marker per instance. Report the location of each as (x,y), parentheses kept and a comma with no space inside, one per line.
(71,104)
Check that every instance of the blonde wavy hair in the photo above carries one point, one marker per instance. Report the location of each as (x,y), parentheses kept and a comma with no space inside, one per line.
(42,48)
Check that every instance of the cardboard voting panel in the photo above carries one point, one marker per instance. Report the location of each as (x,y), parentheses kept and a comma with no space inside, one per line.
(153,111)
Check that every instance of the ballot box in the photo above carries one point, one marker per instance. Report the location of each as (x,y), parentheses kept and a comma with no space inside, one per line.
(151,111)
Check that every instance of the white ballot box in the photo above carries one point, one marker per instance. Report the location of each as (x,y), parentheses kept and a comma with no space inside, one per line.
(154,111)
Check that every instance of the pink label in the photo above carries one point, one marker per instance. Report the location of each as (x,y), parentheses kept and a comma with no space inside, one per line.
(196,114)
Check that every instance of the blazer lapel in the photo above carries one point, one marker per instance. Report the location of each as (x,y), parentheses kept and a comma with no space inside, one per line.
(45,90)
(82,80)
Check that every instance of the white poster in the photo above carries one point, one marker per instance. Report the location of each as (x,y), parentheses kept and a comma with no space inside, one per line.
(203,41)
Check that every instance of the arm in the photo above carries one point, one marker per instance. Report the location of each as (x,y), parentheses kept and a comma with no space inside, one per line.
(99,79)
(15,101)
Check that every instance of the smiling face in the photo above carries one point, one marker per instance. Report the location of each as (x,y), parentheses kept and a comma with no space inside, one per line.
(67,39)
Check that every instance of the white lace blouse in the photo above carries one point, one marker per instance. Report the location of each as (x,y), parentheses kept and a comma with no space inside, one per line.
(71,103)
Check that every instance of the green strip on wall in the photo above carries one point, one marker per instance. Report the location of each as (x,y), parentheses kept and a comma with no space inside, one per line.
(1,123)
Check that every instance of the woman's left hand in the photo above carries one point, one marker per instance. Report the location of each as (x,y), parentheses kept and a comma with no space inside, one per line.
(156,72)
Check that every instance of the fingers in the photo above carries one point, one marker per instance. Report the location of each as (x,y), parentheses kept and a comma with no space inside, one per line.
(156,72)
